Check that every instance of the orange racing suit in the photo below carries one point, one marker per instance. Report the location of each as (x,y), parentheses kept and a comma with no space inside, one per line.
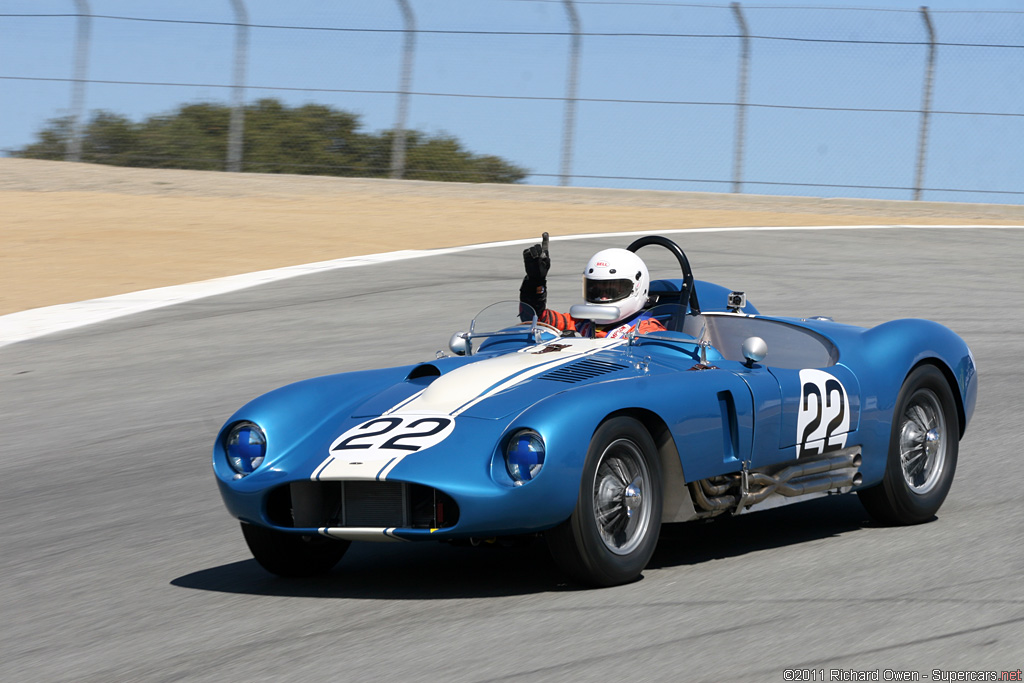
(642,322)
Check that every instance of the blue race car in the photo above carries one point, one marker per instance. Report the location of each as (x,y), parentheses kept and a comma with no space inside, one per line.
(594,443)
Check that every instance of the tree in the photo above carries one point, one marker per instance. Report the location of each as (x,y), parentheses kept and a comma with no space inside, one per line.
(310,139)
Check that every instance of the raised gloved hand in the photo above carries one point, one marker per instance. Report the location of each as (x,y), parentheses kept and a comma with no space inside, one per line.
(537,261)
(534,289)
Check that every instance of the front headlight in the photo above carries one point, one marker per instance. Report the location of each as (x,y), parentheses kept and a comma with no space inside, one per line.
(524,456)
(245,446)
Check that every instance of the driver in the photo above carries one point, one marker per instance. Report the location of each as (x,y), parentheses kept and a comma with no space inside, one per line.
(612,276)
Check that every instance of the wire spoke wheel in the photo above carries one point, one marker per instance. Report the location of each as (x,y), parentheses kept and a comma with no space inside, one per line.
(923,446)
(923,442)
(613,530)
(622,511)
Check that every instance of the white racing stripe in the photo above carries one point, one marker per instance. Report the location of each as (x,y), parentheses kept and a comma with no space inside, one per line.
(536,370)
(461,389)
(368,451)
(405,402)
(38,322)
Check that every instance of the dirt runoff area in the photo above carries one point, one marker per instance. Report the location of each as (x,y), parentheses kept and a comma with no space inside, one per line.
(70,232)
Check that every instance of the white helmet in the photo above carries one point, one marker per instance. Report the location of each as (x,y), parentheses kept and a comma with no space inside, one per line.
(617,276)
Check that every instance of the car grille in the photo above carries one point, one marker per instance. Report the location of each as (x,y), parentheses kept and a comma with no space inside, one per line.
(317,504)
(588,368)
(371,503)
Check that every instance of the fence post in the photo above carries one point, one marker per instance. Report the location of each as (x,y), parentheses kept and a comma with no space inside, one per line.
(926,106)
(741,98)
(398,138)
(73,152)
(570,93)
(237,124)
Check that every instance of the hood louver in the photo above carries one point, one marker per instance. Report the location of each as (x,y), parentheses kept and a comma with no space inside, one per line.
(583,370)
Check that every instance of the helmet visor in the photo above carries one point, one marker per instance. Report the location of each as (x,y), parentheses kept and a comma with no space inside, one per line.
(606,291)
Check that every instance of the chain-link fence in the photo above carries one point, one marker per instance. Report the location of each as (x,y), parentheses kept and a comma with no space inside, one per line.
(637,94)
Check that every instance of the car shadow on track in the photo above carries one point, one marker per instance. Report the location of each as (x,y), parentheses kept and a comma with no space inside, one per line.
(727,536)
(425,571)
(400,571)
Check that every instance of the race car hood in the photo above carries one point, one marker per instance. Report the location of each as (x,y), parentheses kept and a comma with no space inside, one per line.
(493,388)
(468,401)
(307,421)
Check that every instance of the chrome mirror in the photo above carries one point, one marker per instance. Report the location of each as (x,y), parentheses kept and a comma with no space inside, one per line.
(460,344)
(754,350)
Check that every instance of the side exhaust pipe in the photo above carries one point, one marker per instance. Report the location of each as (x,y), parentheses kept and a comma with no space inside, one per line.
(800,479)
(804,478)
(709,496)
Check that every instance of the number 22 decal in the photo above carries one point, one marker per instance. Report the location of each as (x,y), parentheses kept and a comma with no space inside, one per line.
(398,434)
(824,416)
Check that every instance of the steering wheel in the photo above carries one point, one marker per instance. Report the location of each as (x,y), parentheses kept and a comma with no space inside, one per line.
(687,293)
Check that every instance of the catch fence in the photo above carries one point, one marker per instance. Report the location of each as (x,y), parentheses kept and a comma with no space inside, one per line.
(823,101)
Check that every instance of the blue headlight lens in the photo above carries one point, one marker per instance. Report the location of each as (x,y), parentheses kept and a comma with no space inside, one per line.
(246,446)
(524,456)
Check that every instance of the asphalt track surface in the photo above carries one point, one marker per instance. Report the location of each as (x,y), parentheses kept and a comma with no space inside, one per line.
(119,562)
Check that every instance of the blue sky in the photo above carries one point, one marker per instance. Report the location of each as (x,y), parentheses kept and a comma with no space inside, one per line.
(788,151)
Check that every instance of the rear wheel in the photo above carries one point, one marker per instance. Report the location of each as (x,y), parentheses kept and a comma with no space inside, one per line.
(612,533)
(923,447)
(293,555)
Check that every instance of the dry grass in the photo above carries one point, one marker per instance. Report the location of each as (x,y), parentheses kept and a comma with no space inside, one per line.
(77,231)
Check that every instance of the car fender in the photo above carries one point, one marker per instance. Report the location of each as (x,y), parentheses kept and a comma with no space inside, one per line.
(689,435)
(882,360)
(289,414)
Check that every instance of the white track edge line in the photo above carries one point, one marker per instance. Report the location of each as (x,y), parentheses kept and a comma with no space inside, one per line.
(38,322)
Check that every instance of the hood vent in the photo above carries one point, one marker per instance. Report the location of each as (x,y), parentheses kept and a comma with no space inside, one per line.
(425,370)
(588,368)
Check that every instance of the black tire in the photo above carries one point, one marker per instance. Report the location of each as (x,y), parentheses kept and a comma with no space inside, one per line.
(615,548)
(923,446)
(293,555)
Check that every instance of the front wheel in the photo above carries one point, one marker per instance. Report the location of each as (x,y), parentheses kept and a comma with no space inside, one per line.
(923,446)
(293,555)
(612,533)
